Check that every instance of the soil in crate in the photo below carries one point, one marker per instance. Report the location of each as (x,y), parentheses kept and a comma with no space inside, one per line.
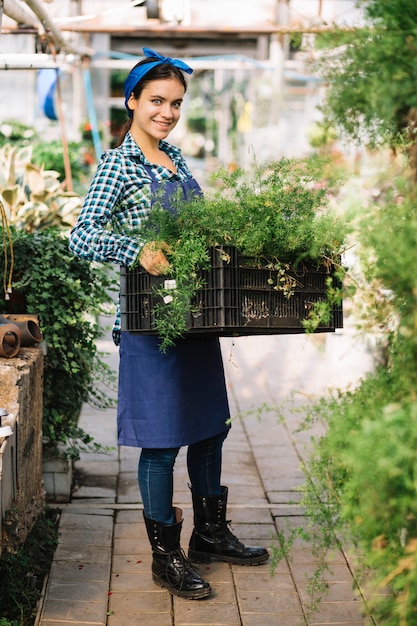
(239,297)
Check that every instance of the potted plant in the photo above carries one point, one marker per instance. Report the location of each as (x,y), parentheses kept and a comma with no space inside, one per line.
(280,219)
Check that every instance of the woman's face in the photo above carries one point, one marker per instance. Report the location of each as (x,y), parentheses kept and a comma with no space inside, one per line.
(157,110)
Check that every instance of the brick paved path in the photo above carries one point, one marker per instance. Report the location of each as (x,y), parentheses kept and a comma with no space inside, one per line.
(101,571)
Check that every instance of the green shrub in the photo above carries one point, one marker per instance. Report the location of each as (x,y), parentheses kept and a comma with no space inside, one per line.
(362,474)
(67,294)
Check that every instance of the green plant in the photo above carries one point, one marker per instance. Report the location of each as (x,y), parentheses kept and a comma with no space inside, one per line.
(33,197)
(322,135)
(18,133)
(279,214)
(296,42)
(67,294)
(50,156)
(361,475)
(371,74)
(23,570)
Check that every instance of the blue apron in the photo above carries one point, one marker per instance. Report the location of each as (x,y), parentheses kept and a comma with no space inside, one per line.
(167,400)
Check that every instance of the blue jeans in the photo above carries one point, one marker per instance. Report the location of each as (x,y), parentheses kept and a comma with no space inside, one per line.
(156,480)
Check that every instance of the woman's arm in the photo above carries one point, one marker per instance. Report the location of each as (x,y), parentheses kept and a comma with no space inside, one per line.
(92,238)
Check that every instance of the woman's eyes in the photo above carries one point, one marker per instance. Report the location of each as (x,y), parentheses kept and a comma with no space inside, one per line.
(157,102)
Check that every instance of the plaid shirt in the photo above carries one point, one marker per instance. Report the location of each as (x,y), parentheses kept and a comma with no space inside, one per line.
(118,200)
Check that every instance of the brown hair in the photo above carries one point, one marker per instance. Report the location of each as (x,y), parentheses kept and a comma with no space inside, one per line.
(161,71)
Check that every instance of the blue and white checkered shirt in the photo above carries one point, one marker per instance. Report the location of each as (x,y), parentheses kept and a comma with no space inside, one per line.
(118,200)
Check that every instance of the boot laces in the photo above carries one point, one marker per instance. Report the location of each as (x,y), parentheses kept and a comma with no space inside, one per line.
(231,536)
(182,566)
(223,532)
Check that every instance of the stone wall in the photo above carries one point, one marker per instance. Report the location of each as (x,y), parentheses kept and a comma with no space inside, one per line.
(21,392)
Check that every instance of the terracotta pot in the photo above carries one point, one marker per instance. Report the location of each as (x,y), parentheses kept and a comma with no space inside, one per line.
(30,332)
(9,340)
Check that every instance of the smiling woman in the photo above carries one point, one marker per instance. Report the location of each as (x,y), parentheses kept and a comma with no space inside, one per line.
(156,113)
(166,399)
(153,101)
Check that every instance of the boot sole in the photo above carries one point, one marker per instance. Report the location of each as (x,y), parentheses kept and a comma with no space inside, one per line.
(188,595)
(206,557)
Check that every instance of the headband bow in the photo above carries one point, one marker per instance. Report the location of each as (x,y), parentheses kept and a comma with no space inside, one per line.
(138,72)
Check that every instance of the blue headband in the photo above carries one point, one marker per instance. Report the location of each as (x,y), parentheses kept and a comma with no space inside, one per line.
(140,70)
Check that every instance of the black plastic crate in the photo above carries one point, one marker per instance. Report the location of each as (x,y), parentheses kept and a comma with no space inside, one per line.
(238,298)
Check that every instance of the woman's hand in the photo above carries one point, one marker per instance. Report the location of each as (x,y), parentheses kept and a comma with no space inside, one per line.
(153,259)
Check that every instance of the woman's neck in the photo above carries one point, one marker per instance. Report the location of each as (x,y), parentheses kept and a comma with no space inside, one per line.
(155,155)
(145,142)
(152,151)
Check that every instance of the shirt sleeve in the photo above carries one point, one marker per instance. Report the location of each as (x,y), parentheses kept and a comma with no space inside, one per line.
(92,238)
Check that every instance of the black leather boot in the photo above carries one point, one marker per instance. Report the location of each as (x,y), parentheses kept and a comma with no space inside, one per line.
(212,540)
(170,567)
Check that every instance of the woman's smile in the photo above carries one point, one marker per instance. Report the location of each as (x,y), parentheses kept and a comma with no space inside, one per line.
(164,124)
